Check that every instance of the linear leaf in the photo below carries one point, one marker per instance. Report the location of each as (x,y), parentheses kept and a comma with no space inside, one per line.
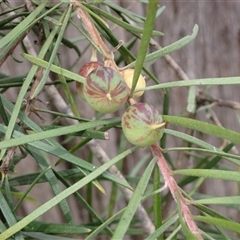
(145,40)
(163,228)
(51,133)
(204,127)
(130,210)
(122,23)
(41,63)
(168,49)
(53,228)
(230,200)
(209,173)
(7,213)
(230,225)
(195,82)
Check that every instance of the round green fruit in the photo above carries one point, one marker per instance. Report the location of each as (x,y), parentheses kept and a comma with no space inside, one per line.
(84,71)
(104,90)
(142,124)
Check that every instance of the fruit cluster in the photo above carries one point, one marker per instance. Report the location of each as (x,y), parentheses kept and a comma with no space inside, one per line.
(106,91)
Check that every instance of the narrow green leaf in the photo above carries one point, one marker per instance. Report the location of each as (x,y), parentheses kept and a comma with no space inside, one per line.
(146,36)
(30,188)
(162,228)
(3,227)
(230,225)
(191,101)
(207,128)
(168,49)
(10,218)
(95,182)
(195,82)
(14,9)
(42,236)
(3,113)
(157,201)
(130,210)
(190,139)
(19,195)
(209,173)
(211,212)
(10,18)
(70,44)
(53,228)
(41,63)
(9,81)
(208,165)
(29,178)
(173,235)
(51,133)
(216,152)
(130,28)
(230,200)
(8,195)
(104,224)
(124,11)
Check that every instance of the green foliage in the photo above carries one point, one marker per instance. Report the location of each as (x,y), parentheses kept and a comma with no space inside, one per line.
(17,129)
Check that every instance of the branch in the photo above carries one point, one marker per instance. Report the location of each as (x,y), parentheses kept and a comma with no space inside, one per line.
(203,100)
(175,190)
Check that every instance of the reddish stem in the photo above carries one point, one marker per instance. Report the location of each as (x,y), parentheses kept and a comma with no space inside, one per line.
(175,190)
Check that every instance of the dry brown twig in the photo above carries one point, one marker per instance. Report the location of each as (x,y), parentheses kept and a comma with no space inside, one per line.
(204,100)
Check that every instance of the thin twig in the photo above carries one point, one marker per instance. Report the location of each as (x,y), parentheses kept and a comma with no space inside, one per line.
(203,100)
(225,142)
(29,5)
(11,50)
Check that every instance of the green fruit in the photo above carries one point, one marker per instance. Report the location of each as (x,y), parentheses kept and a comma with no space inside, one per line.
(104,90)
(142,124)
(84,72)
